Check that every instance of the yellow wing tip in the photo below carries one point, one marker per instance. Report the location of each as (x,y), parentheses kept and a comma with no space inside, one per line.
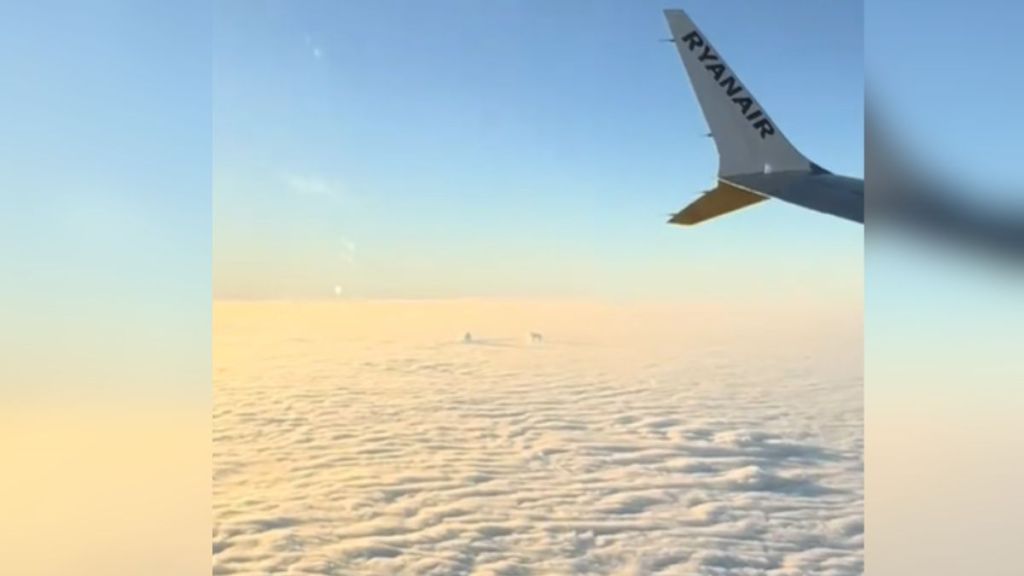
(724,198)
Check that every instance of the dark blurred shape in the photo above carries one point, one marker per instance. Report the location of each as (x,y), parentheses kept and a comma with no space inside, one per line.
(902,197)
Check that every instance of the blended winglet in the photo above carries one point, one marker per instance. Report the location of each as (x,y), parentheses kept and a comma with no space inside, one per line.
(748,141)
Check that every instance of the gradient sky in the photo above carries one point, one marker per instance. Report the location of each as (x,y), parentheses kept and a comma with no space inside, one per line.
(462,148)
(105,176)
(489,148)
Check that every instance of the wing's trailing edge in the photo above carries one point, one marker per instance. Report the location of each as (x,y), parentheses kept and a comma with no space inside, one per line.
(722,199)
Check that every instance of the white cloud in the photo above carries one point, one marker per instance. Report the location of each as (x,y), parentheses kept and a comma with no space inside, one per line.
(313,186)
(381,445)
(314,48)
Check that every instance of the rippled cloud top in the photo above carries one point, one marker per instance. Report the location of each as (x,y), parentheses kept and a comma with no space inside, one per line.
(371,438)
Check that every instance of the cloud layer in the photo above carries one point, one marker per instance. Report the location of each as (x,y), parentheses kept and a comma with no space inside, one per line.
(343,449)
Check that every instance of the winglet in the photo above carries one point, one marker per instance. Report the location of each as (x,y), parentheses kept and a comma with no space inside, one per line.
(748,141)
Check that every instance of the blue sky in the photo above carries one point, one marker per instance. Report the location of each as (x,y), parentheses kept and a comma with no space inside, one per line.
(404,149)
(944,76)
(105,167)
(940,76)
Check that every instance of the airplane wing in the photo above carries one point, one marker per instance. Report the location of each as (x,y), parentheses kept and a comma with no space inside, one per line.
(722,199)
(756,161)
